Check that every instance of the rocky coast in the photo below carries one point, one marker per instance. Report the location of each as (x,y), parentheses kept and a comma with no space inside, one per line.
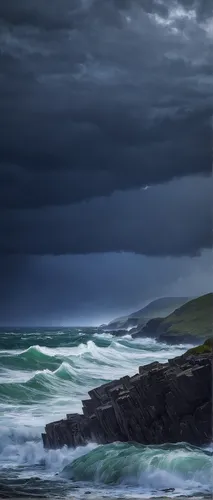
(162,403)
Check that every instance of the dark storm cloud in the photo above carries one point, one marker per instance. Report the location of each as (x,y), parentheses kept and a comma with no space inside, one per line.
(55,15)
(172,219)
(101,95)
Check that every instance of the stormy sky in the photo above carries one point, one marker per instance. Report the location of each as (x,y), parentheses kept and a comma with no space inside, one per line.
(106,121)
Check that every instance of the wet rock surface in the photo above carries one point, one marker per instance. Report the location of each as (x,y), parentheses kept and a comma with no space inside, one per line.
(162,403)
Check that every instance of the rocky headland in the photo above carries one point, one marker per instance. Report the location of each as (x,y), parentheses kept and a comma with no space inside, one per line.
(190,323)
(162,403)
(161,308)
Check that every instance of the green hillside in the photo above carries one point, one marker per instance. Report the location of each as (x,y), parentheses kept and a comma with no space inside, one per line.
(160,307)
(205,348)
(157,308)
(193,319)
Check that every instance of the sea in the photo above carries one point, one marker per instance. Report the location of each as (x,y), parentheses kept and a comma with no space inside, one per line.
(44,374)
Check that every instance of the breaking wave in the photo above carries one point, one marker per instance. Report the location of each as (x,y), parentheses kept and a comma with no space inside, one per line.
(32,358)
(150,467)
(40,373)
(179,468)
(23,446)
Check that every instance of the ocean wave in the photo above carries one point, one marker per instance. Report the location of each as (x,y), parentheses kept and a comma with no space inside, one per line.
(20,338)
(42,372)
(102,351)
(37,357)
(65,381)
(151,468)
(23,447)
(40,385)
(33,358)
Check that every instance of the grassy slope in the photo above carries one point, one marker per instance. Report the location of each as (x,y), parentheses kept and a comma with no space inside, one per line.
(157,308)
(205,348)
(192,319)
(160,307)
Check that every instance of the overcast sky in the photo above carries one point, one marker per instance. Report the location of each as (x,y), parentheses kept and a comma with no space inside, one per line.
(105,156)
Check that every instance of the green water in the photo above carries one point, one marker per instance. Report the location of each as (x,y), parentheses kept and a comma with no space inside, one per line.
(44,374)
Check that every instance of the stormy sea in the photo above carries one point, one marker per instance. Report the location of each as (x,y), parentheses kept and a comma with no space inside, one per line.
(44,374)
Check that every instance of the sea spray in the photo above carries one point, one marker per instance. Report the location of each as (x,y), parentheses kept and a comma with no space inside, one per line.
(19,447)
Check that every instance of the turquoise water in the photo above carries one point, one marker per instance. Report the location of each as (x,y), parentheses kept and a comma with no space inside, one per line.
(44,374)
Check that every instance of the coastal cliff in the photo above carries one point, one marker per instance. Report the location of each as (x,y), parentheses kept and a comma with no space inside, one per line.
(169,402)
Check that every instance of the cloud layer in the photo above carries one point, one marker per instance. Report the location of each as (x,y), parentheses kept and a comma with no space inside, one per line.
(105,147)
(98,96)
(172,219)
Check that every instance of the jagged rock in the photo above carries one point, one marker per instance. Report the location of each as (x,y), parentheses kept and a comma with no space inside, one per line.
(168,402)
(120,332)
(148,330)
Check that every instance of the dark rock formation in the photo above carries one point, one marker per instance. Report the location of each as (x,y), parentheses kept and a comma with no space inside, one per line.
(169,402)
(149,330)
(176,339)
(118,333)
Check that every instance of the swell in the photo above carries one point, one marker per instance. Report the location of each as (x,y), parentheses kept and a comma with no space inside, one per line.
(38,373)
(100,350)
(31,359)
(179,466)
(66,338)
(53,338)
(45,384)
(37,357)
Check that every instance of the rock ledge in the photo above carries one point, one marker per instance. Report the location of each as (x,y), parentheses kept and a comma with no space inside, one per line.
(163,403)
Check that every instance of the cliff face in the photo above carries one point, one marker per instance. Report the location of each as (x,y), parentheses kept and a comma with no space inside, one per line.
(149,330)
(169,402)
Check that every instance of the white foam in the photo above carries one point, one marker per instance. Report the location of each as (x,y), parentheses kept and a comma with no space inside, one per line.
(23,446)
